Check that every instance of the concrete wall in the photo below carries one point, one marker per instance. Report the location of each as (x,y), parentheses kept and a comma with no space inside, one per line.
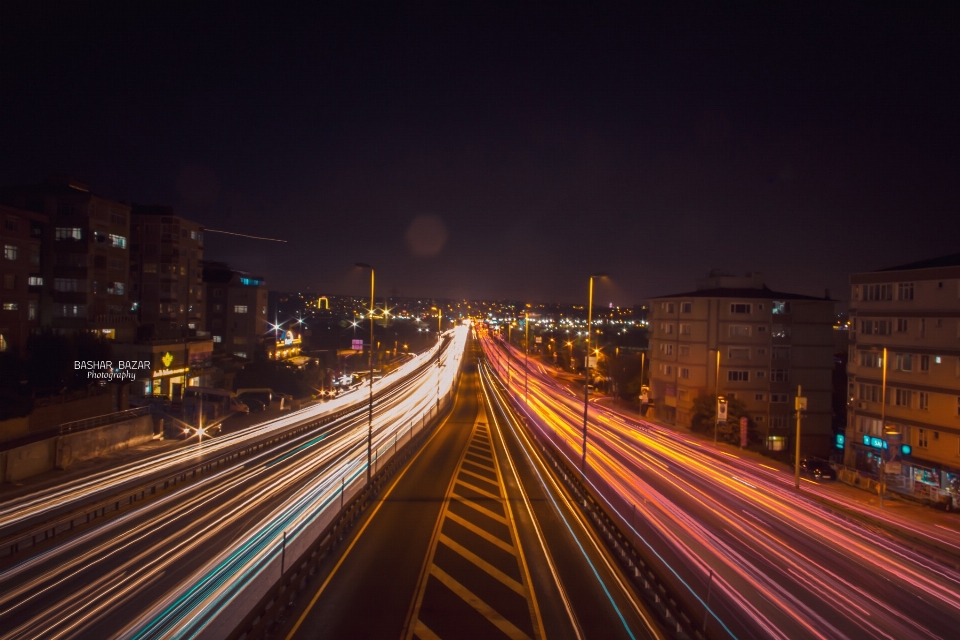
(29,460)
(62,451)
(93,443)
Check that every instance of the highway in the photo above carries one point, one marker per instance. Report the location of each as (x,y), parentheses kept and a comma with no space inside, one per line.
(475,539)
(171,566)
(771,561)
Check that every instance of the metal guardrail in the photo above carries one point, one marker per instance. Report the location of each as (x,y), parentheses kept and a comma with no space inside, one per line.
(676,614)
(26,538)
(99,421)
(263,619)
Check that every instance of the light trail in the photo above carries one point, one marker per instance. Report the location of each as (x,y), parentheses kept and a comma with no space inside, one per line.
(172,566)
(783,565)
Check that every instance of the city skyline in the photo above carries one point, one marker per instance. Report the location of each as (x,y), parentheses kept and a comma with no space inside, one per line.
(500,155)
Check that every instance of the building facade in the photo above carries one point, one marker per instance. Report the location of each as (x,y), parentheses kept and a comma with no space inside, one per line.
(21,278)
(88,283)
(236,309)
(768,343)
(166,274)
(904,411)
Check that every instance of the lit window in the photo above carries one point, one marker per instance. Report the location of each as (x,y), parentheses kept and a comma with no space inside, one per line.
(781,307)
(10,306)
(240,308)
(69,233)
(10,252)
(218,338)
(118,241)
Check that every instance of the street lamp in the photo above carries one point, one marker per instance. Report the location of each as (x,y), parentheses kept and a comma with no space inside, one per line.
(439,319)
(370,363)
(586,381)
(526,352)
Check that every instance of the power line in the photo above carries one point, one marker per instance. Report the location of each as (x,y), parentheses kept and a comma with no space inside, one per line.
(242,235)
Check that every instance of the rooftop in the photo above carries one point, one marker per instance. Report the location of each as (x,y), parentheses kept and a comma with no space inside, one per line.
(750,292)
(952,260)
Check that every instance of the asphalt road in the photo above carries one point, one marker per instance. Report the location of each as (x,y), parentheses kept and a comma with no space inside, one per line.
(774,562)
(473,540)
(96,581)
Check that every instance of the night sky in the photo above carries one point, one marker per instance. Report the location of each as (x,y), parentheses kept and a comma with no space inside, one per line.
(506,152)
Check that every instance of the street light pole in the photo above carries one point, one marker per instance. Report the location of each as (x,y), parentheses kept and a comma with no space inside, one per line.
(716,392)
(439,319)
(370,363)
(526,352)
(586,381)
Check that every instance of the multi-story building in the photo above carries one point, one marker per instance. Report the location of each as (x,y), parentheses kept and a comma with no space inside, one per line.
(911,415)
(166,275)
(768,343)
(236,309)
(21,279)
(87,288)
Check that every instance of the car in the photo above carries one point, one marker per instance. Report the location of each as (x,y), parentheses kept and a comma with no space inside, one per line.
(254,404)
(819,469)
(238,406)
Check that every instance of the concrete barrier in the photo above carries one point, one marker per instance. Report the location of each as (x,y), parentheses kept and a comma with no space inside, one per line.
(93,443)
(29,460)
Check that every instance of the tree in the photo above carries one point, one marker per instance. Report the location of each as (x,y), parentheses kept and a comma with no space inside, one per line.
(704,416)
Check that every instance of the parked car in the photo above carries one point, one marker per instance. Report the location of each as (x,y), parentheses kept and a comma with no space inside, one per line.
(237,405)
(254,404)
(819,469)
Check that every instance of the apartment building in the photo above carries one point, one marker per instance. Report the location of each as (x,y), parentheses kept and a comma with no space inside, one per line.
(21,279)
(166,274)
(87,288)
(236,309)
(910,417)
(768,343)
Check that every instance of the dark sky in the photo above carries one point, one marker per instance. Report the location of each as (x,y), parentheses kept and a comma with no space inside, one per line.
(507,152)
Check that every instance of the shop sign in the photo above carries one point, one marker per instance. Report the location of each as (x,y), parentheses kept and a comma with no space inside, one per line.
(876,443)
(167,359)
(895,468)
(162,373)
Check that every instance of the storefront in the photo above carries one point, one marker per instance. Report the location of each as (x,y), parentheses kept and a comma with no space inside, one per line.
(174,366)
(284,347)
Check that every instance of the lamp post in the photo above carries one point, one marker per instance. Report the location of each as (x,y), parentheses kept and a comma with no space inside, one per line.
(439,319)
(716,392)
(586,381)
(370,363)
(526,352)
(509,356)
